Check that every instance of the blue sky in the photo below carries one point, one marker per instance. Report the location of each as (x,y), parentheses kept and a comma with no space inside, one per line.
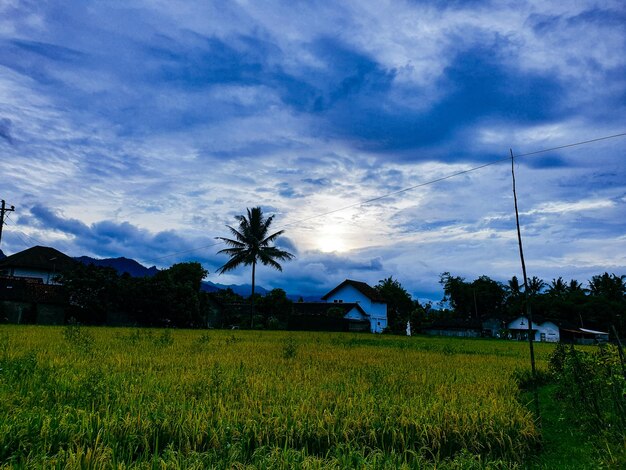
(141,129)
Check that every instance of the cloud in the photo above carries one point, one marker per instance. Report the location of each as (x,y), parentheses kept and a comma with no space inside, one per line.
(5,130)
(142,130)
(112,239)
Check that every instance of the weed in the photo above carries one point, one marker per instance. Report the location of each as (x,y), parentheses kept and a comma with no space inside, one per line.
(290,348)
(78,338)
(164,339)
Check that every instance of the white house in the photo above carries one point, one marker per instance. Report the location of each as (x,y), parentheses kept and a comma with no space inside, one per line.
(543,330)
(368,299)
(39,263)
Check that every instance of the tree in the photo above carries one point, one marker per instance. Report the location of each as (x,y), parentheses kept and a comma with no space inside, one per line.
(611,287)
(91,292)
(252,244)
(535,286)
(488,296)
(275,307)
(557,288)
(458,294)
(400,306)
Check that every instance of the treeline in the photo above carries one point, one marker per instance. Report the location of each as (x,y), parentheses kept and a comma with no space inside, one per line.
(96,295)
(99,295)
(600,304)
(172,297)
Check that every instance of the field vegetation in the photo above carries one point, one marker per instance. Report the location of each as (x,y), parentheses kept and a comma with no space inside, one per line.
(86,397)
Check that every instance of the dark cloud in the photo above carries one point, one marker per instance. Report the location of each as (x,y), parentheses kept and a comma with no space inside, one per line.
(354,98)
(334,264)
(317,181)
(546,161)
(285,243)
(5,130)
(113,239)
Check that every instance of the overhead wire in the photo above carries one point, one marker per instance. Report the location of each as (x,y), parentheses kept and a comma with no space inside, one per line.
(410,188)
(17,233)
(401,191)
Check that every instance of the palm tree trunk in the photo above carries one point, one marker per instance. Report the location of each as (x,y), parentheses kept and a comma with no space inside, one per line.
(252,298)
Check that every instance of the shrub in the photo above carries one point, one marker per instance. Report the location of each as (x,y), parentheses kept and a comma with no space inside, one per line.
(593,384)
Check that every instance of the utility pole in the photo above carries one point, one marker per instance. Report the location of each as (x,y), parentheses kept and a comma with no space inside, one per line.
(526,297)
(3,209)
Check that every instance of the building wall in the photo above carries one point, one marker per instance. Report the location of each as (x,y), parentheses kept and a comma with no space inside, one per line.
(46,276)
(14,311)
(377,311)
(547,331)
(354,314)
(48,314)
(456,333)
(29,313)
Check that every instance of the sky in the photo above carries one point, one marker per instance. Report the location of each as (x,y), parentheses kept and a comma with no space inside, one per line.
(142,128)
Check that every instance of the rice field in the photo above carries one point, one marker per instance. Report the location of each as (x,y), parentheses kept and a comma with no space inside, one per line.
(77,397)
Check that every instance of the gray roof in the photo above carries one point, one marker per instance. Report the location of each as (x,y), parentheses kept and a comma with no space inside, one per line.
(39,257)
(365,289)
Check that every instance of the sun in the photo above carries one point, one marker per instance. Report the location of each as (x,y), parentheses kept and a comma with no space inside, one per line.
(329,244)
(331,239)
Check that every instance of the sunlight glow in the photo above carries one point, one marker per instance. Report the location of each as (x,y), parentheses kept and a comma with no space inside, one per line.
(331,239)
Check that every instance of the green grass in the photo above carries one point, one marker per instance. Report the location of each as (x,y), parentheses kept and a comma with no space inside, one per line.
(128,398)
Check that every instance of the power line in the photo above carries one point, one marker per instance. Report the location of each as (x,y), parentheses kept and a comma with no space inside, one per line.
(17,233)
(583,142)
(410,188)
(452,175)
(404,190)
(4,209)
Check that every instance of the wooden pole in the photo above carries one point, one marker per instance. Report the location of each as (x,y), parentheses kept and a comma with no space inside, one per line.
(529,315)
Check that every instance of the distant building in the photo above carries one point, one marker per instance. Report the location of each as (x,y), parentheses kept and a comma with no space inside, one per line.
(39,262)
(552,331)
(29,292)
(324,316)
(543,330)
(460,327)
(367,298)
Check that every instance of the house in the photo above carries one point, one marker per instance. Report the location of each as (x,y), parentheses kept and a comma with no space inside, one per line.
(28,290)
(493,327)
(367,298)
(322,316)
(460,327)
(583,336)
(544,330)
(41,263)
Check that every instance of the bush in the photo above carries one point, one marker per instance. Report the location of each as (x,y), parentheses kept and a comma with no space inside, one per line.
(593,384)
(78,337)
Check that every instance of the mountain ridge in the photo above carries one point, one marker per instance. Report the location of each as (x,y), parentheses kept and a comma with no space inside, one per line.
(135,269)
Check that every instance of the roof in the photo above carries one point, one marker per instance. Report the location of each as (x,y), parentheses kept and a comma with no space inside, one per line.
(322,308)
(39,257)
(593,332)
(540,320)
(365,289)
(455,324)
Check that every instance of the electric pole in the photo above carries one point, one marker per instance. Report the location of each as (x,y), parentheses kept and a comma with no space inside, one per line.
(3,209)
(529,314)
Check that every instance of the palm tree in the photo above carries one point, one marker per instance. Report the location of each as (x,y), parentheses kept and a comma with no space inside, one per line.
(535,285)
(252,244)
(557,288)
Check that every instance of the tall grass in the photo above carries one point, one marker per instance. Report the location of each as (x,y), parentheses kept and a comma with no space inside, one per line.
(121,398)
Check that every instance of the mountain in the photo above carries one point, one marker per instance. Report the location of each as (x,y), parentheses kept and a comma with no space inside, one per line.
(121,265)
(243,289)
(2,255)
(126,265)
